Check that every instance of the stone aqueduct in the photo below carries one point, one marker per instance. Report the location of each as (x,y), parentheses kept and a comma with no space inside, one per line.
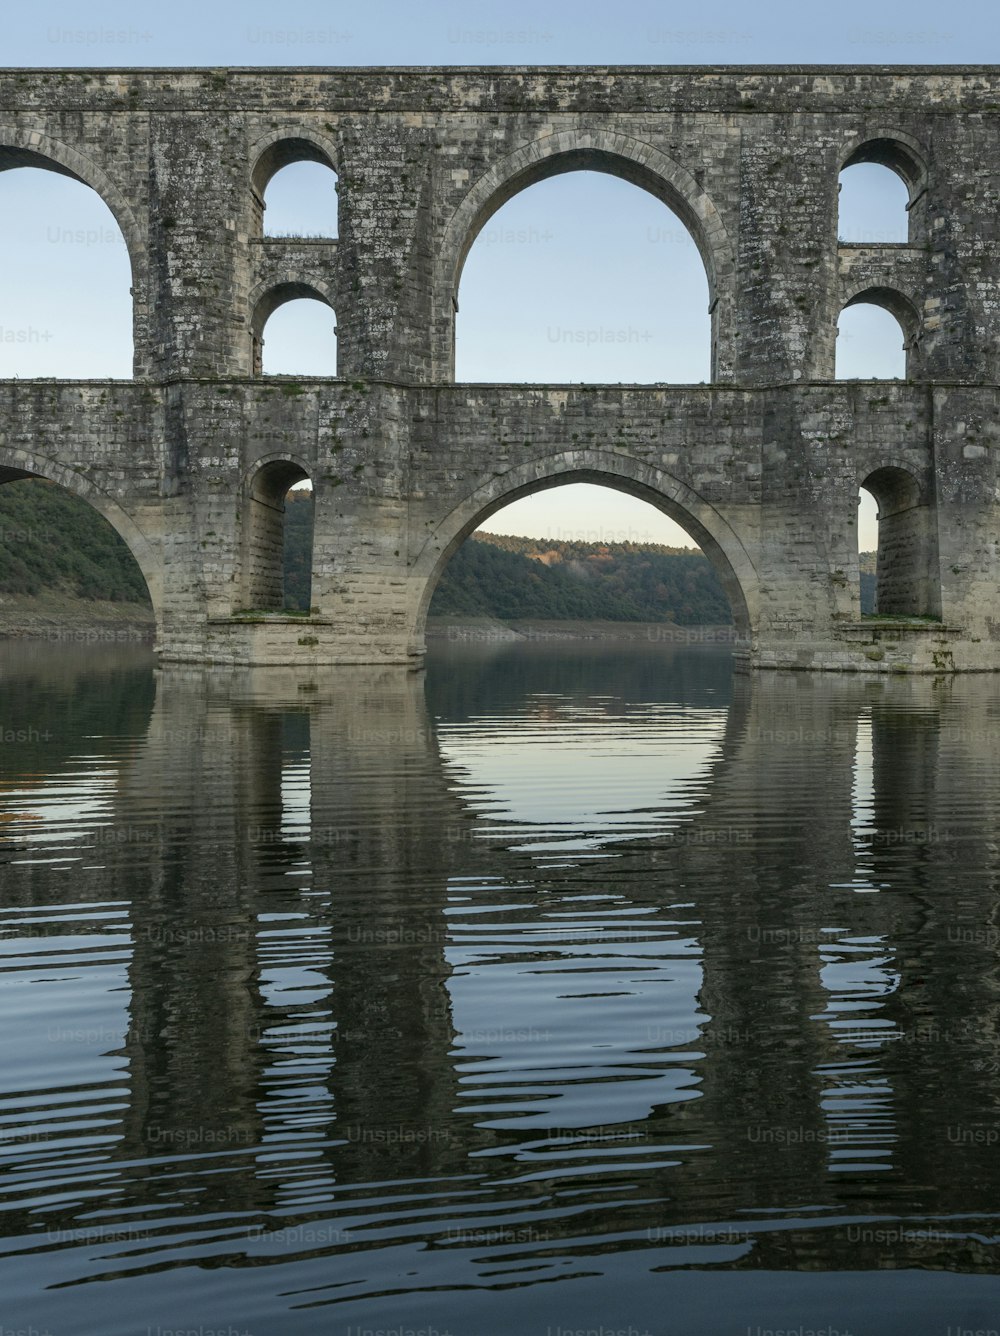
(190,460)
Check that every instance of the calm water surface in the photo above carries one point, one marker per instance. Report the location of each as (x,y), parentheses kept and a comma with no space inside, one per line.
(557,989)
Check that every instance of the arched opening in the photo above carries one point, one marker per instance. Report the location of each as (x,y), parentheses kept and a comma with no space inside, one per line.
(905,566)
(873,342)
(295,189)
(67,300)
(301,332)
(65,568)
(584,277)
(602,151)
(278,539)
(882,183)
(867,550)
(301,201)
(583,545)
(873,205)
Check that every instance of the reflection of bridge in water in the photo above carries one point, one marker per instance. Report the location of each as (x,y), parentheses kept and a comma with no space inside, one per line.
(847,1052)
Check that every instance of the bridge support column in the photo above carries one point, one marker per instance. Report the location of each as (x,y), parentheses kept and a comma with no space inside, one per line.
(364,598)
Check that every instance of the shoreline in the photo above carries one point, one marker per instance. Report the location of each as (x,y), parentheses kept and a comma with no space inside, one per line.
(489,630)
(60,617)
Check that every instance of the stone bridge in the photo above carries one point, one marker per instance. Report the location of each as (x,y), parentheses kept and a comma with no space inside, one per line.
(190,461)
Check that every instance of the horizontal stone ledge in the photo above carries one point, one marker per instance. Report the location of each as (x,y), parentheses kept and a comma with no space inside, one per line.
(278,240)
(269,619)
(878,246)
(882,624)
(885,385)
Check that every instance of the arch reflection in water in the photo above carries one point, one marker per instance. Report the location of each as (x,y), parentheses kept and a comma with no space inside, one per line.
(368,1034)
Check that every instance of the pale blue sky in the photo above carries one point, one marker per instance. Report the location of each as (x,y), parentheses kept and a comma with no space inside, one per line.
(583,278)
(530,32)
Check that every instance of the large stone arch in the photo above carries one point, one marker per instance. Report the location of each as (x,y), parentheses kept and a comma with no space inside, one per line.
(617,154)
(706,525)
(17,463)
(32,148)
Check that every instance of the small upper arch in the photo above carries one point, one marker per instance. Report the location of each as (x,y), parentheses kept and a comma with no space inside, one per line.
(267,298)
(282,147)
(894,149)
(304,202)
(897,303)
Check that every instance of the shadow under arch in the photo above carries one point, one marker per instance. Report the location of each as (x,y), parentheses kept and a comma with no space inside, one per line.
(31,148)
(262,527)
(895,488)
(699,518)
(16,464)
(907,579)
(265,299)
(633,160)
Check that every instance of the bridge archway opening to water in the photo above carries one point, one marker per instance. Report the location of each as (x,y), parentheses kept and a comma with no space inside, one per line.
(586,545)
(583,276)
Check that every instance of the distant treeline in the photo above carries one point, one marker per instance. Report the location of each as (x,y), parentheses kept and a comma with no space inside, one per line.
(510,578)
(52,540)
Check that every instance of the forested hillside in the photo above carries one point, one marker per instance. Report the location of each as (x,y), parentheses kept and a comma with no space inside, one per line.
(510,578)
(52,540)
